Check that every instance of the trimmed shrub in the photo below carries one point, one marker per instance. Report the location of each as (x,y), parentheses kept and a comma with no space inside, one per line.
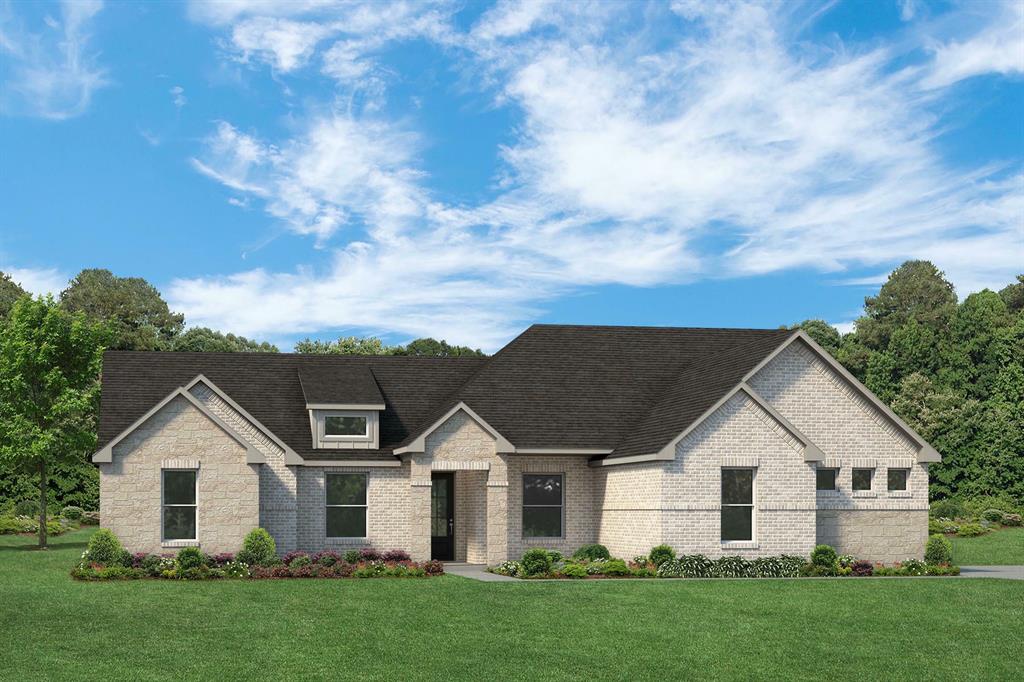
(766,567)
(433,567)
(327,558)
(352,556)
(731,567)
(942,526)
(72,513)
(971,530)
(791,565)
(949,508)
(913,567)
(661,554)
(153,565)
(189,558)
(556,556)
(992,515)
(104,548)
(615,567)
(938,550)
(592,552)
(222,559)
(288,558)
(1011,520)
(28,508)
(862,568)
(369,554)
(824,556)
(301,561)
(536,561)
(258,549)
(687,566)
(396,555)
(574,571)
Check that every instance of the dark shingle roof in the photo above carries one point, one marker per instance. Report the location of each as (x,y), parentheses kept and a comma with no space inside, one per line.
(627,389)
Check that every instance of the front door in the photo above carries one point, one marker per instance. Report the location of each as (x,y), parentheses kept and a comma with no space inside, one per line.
(442,517)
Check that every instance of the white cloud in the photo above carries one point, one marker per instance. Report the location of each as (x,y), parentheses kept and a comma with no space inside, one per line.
(178,96)
(52,74)
(38,281)
(997,47)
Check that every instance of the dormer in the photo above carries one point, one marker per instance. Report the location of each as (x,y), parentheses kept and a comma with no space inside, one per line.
(344,405)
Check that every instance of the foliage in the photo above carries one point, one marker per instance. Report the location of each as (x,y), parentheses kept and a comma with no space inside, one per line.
(992,515)
(288,558)
(971,530)
(913,567)
(823,556)
(512,568)
(687,566)
(104,548)
(732,567)
(824,334)
(258,549)
(661,554)
(189,558)
(948,508)
(352,556)
(395,555)
(592,552)
(27,508)
(327,558)
(615,567)
(10,291)
(1011,520)
(767,567)
(862,568)
(536,561)
(938,550)
(206,340)
(942,526)
(300,561)
(72,513)
(574,571)
(354,345)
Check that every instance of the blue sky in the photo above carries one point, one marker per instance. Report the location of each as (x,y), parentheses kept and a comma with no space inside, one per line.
(460,170)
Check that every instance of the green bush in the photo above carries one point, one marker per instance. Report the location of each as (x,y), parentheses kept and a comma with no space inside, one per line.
(949,508)
(72,513)
(992,515)
(661,554)
(301,560)
(824,556)
(351,556)
(574,571)
(592,552)
(17,524)
(687,566)
(913,567)
(189,558)
(731,567)
(104,548)
(974,507)
(258,549)
(791,565)
(536,561)
(971,530)
(27,508)
(767,567)
(941,526)
(555,555)
(91,518)
(1011,520)
(615,567)
(938,550)
(943,570)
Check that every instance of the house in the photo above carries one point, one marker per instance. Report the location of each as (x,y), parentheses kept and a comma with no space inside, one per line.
(717,441)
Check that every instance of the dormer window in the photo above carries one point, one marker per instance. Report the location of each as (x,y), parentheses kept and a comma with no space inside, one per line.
(346,426)
(344,403)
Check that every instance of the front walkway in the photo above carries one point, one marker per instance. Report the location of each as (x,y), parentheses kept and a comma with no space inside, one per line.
(1008,572)
(476,572)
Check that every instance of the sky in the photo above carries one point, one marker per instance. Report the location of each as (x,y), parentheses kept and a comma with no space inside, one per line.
(461,170)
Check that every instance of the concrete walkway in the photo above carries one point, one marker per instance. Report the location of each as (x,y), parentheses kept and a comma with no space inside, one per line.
(476,572)
(1008,572)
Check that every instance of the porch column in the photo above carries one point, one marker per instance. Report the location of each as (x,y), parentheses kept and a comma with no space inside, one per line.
(419,508)
(497,516)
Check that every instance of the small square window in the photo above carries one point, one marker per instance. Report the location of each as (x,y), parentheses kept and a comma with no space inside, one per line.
(826,479)
(862,479)
(898,479)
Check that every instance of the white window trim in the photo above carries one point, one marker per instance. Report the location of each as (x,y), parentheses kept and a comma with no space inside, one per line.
(365,416)
(560,505)
(827,493)
(366,525)
(740,544)
(179,542)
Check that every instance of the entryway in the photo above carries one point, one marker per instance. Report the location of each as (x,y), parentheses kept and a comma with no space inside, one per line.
(442,516)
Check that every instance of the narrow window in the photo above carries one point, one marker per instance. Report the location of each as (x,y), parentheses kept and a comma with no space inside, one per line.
(737,505)
(542,505)
(826,479)
(345,425)
(898,479)
(346,505)
(862,479)
(179,504)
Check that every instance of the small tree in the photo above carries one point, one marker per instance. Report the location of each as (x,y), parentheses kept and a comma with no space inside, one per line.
(49,385)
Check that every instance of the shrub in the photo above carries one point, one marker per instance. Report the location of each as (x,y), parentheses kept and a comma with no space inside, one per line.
(943,570)
(641,560)
(844,560)
(615,567)
(91,518)
(200,572)
(949,508)
(258,549)
(18,524)
(791,565)
(369,554)
(222,559)
(731,567)
(886,571)
(913,567)
(574,571)
(509,568)
(1011,520)
(971,530)
(343,569)
(976,506)
(326,558)
(992,515)
(351,556)
(152,565)
(28,508)
(592,552)
(433,567)
(72,513)
(942,526)
(862,568)
(556,556)
(104,548)
(824,556)
(661,554)
(687,566)
(301,561)
(766,567)
(536,561)
(189,558)
(396,555)
(938,550)
(288,558)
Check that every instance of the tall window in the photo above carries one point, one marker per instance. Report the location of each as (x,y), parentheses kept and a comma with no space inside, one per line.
(346,505)
(737,505)
(898,479)
(826,479)
(862,479)
(179,504)
(542,505)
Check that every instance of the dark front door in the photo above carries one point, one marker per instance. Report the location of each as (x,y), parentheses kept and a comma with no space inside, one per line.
(442,517)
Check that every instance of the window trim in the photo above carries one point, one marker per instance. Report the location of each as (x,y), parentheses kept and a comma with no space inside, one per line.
(871,482)
(560,505)
(164,540)
(906,481)
(753,509)
(366,506)
(366,435)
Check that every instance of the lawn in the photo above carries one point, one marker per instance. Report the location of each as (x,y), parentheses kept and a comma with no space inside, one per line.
(1002,547)
(454,628)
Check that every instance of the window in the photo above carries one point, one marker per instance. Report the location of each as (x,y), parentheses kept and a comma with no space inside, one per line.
(898,479)
(862,479)
(179,504)
(346,505)
(341,426)
(826,479)
(542,505)
(737,505)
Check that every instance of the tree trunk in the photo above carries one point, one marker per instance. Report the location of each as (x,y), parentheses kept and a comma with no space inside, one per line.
(42,505)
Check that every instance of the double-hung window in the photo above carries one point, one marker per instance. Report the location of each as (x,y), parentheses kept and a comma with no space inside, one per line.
(346,505)
(737,505)
(543,505)
(179,504)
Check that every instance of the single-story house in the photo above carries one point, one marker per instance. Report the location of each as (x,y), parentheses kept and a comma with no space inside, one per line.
(719,441)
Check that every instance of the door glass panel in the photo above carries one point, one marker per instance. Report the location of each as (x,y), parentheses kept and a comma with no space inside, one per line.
(439,508)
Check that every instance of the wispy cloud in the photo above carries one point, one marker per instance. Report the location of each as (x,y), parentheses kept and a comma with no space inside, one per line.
(996,46)
(653,148)
(51,73)
(178,96)
(38,281)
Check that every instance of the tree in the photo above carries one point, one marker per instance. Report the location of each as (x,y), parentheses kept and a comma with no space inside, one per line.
(345,345)
(206,340)
(137,315)
(969,360)
(10,291)
(1013,295)
(916,290)
(824,334)
(438,349)
(49,387)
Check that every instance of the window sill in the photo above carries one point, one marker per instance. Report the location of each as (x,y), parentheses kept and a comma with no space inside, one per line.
(828,493)
(179,543)
(865,493)
(347,541)
(900,493)
(740,544)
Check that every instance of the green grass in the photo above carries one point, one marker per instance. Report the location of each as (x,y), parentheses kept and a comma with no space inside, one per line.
(454,628)
(999,548)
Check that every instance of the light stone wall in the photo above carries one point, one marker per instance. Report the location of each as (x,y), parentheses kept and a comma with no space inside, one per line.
(227,492)
(628,499)
(471,516)
(875,534)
